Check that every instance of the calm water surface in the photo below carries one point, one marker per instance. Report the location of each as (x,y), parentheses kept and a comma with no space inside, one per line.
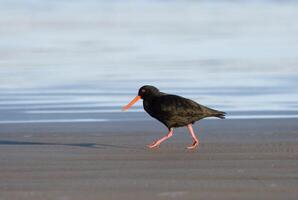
(64,61)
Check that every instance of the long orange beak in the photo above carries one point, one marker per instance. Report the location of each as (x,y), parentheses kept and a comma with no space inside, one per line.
(137,98)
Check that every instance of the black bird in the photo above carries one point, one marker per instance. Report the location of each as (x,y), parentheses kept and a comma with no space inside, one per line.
(173,111)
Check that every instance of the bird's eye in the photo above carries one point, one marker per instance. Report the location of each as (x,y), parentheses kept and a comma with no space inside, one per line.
(143,90)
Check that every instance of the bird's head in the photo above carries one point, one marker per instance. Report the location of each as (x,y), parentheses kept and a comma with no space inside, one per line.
(145,92)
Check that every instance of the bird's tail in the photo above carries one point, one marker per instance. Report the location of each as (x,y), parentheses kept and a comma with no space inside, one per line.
(219,114)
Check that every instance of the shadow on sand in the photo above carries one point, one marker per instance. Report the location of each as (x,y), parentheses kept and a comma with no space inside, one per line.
(85,145)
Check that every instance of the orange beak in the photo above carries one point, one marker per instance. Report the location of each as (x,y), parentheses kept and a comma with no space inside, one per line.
(137,98)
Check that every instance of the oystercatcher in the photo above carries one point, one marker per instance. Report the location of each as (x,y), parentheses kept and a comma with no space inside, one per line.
(173,111)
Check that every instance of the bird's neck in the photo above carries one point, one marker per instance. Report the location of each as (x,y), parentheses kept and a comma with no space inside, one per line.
(153,96)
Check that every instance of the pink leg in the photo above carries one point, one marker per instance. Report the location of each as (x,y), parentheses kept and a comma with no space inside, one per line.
(196,140)
(158,142)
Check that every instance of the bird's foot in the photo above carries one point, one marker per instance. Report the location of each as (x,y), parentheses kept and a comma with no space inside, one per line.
(194,145)
(153,145)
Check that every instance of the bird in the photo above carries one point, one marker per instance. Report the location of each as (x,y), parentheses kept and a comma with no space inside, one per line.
(173,111)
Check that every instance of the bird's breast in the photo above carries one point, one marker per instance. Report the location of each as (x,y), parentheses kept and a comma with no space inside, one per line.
(148,107)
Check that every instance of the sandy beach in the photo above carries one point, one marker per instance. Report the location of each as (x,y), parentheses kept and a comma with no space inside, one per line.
(237,159)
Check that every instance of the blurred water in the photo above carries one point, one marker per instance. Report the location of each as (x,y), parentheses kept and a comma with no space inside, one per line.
(83,60)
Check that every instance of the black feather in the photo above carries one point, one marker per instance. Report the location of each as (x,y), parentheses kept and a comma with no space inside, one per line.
(173,110)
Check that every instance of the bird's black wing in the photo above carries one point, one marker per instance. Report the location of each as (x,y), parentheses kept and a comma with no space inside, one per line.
(177,105)
(175,111)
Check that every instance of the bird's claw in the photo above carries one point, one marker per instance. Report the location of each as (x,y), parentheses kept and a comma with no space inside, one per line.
(194,145)
(153,145)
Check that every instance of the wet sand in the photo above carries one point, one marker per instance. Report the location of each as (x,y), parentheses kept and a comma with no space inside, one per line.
(237,159)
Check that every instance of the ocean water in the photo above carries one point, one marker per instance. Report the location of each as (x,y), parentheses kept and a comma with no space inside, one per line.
(81,61)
